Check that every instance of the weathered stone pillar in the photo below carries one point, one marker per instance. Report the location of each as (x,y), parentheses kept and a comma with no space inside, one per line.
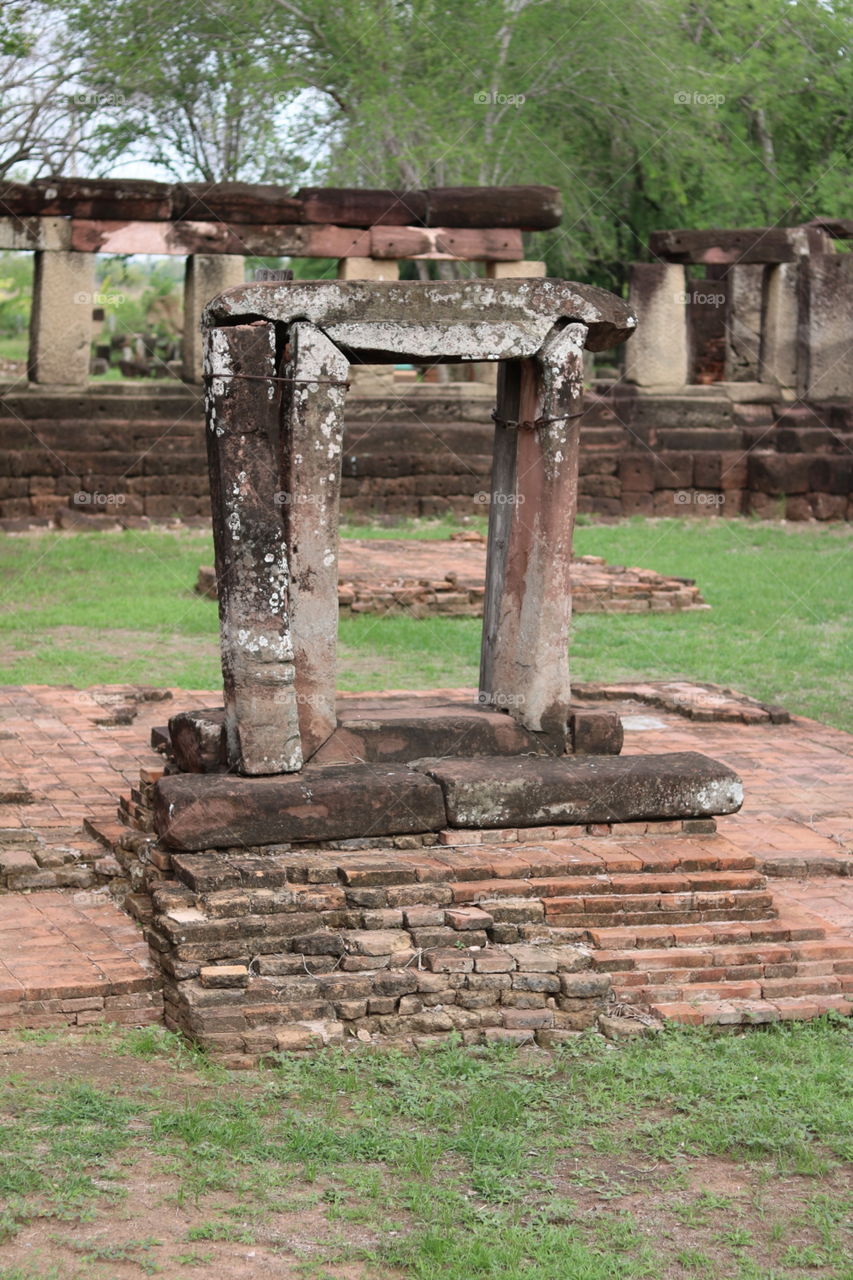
(658,354)
(527,612)
(368,269)
(743,322)
(779,326)
(311,435)
(528,269)
(205,276)
(61,318)
(261,719)
(825,323)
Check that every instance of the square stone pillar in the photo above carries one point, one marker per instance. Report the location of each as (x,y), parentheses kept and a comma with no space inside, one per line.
(61,318)
(657,356)
(779,327)
(527,610)
(242,401)
(205,276)
(368,269)
(825,320)
(743,322)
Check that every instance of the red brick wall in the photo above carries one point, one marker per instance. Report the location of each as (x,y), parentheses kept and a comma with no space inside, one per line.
(143,454)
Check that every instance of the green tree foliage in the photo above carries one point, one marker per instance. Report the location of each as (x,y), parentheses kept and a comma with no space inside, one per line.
(647,114)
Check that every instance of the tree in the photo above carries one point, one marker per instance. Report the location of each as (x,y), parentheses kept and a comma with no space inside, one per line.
(196,89)
(647,114)
(40,126)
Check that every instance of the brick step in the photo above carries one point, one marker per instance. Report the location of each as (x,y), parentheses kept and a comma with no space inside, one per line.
(805,958)
(805,867)
(740,1012)
(745,989)
(636,984)
(557,888)
(105,831)
(653,909)
(717,933)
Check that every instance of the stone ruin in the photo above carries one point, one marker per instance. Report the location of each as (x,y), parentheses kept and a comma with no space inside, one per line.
(315,875)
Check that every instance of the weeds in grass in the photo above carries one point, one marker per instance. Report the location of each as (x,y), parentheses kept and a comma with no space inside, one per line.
(220,1230)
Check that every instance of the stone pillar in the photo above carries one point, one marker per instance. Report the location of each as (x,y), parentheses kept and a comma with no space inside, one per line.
(779,327)
(526,270)
(743,322)
(527,610)
(311,436)
(205,275)
(252,571)
(370,379)
(657,357)
(825,323)
(61,318)
(368,269)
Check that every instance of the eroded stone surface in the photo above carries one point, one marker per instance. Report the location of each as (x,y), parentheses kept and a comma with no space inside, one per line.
(252,568)
(439,321)
(605,789)
(210,811)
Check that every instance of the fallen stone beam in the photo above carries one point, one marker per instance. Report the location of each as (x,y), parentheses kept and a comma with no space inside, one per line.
(589,789)
(215,811)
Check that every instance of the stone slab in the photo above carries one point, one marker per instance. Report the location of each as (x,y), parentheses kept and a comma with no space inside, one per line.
(433,320)
(429,731)
(216,811)
(381,731)
(601,789)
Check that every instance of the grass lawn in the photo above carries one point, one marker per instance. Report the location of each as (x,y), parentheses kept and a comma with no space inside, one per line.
(95,608)
(682,1157)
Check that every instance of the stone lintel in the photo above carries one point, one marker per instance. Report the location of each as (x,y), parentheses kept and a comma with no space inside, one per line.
(448,321)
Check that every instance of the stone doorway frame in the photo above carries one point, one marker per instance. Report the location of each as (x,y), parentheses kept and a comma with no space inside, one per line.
(276,361)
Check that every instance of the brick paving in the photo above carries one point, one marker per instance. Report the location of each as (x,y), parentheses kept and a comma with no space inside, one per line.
(68,755)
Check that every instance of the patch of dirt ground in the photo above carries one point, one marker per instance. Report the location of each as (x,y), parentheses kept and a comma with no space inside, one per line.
(702,1216)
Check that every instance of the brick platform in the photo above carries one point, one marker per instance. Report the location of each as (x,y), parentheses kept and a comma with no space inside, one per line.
(387,576)
(72,960)
(752,923)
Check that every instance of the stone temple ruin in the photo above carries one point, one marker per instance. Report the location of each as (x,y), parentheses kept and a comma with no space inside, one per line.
(319,851)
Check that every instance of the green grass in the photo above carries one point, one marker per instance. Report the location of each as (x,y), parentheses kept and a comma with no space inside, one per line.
(461,1163)
(14,346)
(87,608)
